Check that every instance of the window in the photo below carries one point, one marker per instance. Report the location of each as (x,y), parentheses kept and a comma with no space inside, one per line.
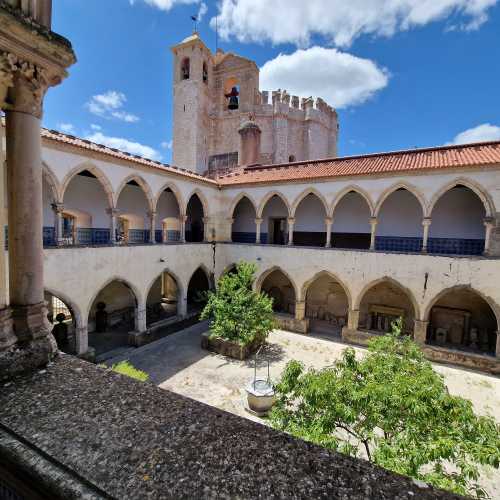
(185,69)
(205,73)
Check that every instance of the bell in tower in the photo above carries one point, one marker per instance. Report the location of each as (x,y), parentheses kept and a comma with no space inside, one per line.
(233,98)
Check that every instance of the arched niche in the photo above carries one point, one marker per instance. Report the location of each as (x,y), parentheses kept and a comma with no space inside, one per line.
(243,228)
(351,222)
(274,229)
(168,223)
(309,228)
(198,285)
(279,287)
(457,223)
(460,318)
(62,321)
(195,226)
(399,226)
(163,299)
(133,207)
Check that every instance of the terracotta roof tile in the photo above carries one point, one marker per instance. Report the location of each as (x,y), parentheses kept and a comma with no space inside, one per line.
(471,155)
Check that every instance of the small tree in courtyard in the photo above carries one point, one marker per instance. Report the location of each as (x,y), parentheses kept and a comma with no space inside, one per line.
(236,312)
(392,408)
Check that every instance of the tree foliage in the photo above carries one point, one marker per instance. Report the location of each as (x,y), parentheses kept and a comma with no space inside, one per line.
(391,407)
(236,312)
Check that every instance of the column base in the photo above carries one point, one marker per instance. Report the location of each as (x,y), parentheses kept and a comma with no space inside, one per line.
(30,322)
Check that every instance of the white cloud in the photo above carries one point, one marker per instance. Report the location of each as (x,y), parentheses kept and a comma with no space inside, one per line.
(202,11)
(339,78)
(165,4)
(67,128)
(93,126)
(341,21)
(123,144)
(482,133)
(167,144)
(109,105)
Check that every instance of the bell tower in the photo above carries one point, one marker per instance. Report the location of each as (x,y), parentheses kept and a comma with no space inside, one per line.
(193,75)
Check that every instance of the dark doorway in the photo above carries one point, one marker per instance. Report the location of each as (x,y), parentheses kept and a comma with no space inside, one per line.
(278,231)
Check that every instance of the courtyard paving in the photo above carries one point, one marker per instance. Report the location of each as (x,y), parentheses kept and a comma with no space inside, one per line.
(178,363)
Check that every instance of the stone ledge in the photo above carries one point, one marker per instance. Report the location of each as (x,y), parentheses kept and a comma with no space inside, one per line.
(133,440)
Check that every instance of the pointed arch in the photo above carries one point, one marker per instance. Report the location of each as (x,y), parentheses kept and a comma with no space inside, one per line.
(176,192)
(133,289)
(493,305)
(267,197)
(308,283)
(204,268)
(52,181)
(142,184)
(489,206)
(238,198)
(260,280)
(352,189)
(305,193)
(72,306)
(392,281)
(201,197)
(100,176)
(180,286)
(401,185)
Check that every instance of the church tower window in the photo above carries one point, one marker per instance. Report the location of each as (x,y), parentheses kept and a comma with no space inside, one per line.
(205,73)
(185,68)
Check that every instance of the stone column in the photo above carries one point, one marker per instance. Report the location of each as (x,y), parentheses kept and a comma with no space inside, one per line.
(291,224)
(82,340)
(206,234)
(329,224)
(230,223)
(152,226)
(140,318)
(300,310)
(183,219)
(426,222)
(489,225)
(497,351)
(258,225)
(353,319)
(58,209)
(420,331)
(373,224)
(182,307)
(113,216)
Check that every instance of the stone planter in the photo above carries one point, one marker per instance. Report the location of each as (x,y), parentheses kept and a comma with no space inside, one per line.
(229,348)
(260,397)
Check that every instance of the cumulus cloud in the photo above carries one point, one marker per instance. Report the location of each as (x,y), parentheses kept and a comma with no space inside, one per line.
(295,21)
(339,78)
(123,144)
(110,105)
(93,126)
(165,4)
(67,128)
(167,144)
(482,133)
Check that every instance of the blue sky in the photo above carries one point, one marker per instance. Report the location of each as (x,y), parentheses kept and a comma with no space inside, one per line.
(402,73)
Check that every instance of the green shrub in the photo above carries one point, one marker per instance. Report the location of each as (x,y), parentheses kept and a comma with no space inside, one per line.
(128,369)
(236,312)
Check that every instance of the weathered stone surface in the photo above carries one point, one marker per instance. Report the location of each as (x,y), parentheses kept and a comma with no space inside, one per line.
(228,348)
(133,440)
(286,322)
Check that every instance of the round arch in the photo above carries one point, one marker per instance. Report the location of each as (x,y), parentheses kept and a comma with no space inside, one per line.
(142,184)
(481,193)
(267,197)
(303,195)
(176,192)
(401,185)
(352,189)
(260,280)
(308,283)
(238,198)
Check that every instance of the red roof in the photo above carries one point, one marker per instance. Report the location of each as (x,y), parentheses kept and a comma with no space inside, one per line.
(471,155)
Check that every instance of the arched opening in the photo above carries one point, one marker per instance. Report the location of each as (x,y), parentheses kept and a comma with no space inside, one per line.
(281,290)
(133,207)
(195,228)
(399,225)
(462,319)
(309,229)
(49,236)
(185,68)
(85,220)
(274,229)
(168,224)
(198,285)
(384,303)
(327,305)
(163,299)
(243,230)
(232,93)
(457,223)
(62,323)
(205,72)
(291,159)
(351,222)
(112,317)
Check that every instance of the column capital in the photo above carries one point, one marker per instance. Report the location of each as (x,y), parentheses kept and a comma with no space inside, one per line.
(373,221)
(291,220)
(183,218)
(489,221)
(114,212)
(58,208)
(328,220)
(426,221)
(151,213)
(259,220)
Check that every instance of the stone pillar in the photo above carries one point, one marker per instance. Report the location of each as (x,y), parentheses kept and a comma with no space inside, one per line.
(182,307)
(140,318)
(58,209)
(82,340)
(206,229)
(489,225)
(183,219)
(329,224)
(258,225)
(353,319)
(420,331)
(113,220)
(426,222)
(249,143)
(152,226)
(300,310)
(373,224)
(230,223)
(291,224)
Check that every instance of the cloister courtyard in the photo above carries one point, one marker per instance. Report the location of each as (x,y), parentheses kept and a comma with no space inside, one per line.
(178,363)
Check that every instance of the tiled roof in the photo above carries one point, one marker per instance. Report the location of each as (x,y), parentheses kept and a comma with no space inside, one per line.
(54,135)
(471,155)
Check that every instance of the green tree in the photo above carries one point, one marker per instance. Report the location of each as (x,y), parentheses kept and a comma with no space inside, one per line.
(391,407)
(236,312)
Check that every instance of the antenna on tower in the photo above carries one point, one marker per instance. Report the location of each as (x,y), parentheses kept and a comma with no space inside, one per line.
(195,21)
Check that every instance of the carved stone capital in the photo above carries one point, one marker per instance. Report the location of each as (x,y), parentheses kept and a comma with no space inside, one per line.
(58,208)
(113,212)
